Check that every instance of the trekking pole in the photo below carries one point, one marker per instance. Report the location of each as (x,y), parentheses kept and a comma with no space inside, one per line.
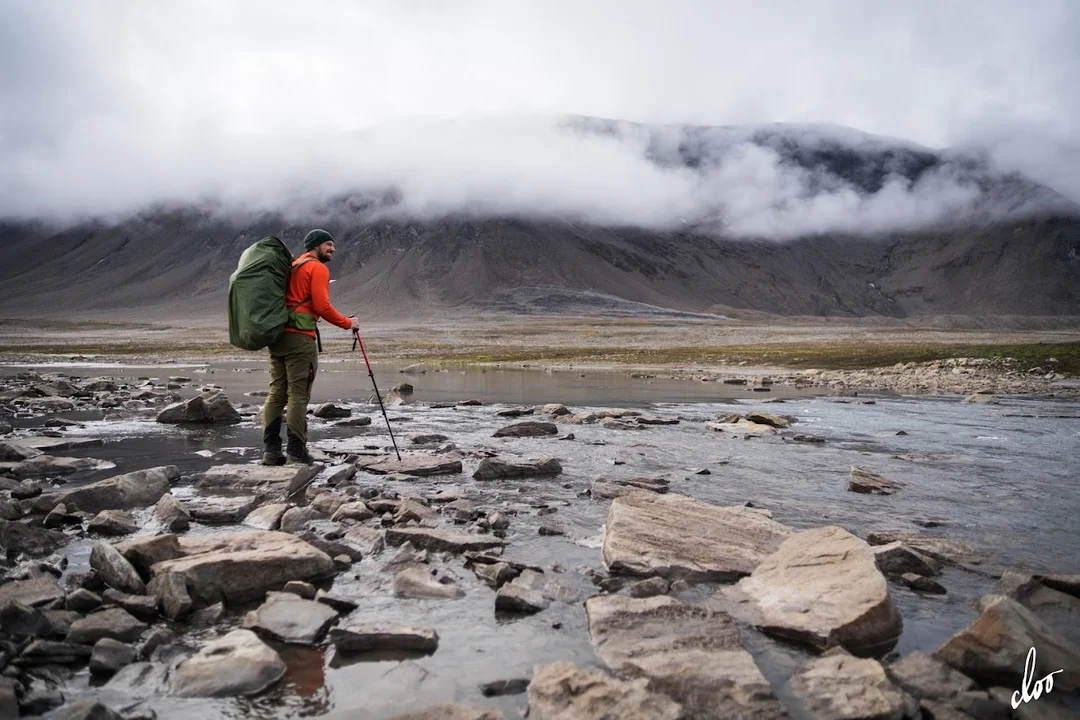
(371,374)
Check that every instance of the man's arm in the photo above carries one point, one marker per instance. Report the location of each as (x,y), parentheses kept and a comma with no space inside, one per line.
(320,298)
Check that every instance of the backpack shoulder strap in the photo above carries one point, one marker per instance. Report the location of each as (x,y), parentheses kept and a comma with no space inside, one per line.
(297,263)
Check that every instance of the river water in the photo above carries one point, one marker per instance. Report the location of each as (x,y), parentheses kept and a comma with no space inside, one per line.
(1003,478)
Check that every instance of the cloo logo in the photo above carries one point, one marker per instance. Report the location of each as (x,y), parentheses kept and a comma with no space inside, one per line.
(1032,691)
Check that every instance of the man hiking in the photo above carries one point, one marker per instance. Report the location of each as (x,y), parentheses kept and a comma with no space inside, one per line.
(294,358)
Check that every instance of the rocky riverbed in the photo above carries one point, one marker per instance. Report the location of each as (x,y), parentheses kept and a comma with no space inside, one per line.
(769,554)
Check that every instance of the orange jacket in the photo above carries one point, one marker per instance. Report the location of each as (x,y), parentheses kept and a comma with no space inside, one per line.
(312,280)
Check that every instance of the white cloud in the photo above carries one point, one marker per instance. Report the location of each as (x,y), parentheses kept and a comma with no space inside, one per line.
(108,106)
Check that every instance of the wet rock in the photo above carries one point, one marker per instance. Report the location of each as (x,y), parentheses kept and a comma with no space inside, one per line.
(49,465)
(981,399)
(866,482)
(220,509)
(944,550)
(823,588)
(48,652)
(300,589)
(33,592)
(113,522)
(207,616)
(143,607)
(330,411)
(440,540)
(411,509)
(342,604)
(141,488)
(40,701)
(994,649)
(90,709)
(16,451)
(500,688)
(10,510)
(495,575)
(142,552)
(675,536)
(741,425)
(452,711)
(213,408)
(419,465)
(551,529)
(268,517)
(172,515)
(20,622)
(608,488)
(59,516)
(563,690)
(839,685)
(18,538)
(82,601)
(255,479)
(237,664)
(613,424)
(291,619)
(243,565)
(356,510)
(777,421)
(691,654)
(426,438)
(327,502)
(296,518)
(529,428)
(115,570)
(359,421)
(555,409)
(46,444)
(493,469)
(370,638)
(417,583)
(895,559)
(524,594)
(927,677)
(9,699)
(922,584)
(172,594)
(649,588)
(112,623)
(111,655)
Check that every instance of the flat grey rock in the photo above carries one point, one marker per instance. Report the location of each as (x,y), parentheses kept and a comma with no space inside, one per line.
(291,619)
(235,665)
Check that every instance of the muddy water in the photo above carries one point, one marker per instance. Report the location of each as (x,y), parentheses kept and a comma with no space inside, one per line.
(1000,477)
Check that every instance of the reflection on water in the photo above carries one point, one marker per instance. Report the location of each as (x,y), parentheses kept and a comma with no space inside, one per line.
(994,476)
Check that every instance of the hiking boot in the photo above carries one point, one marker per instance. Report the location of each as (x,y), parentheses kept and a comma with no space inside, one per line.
(296,452)
(273,456)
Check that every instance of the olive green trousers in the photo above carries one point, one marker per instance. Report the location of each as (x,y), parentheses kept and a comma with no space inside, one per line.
(294,360)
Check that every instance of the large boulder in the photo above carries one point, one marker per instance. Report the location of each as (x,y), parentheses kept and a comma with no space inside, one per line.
(17,451)
(141,488)
(562,690)
(115,570)
(290,619)
(237,664)
(213,408)
(494,469)
(675,536)
(239,566)
(838,685)
(823,588)
(31,592)
(995,648)
(115,623)
(529,428)
(254,479)
(418,465)
(17,538)
(690,654)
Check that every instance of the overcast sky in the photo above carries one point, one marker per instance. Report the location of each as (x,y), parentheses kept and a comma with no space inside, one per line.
(107,105)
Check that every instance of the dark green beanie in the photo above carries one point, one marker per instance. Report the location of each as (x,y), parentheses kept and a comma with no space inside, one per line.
(315,238)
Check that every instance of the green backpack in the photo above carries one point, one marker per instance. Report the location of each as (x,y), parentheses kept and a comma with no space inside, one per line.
(257,311)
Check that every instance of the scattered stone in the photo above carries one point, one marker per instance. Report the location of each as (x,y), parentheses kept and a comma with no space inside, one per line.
(895,559)
(25,491)
(419,465)
(562,690)
(529,428)
(452,711)
(141,488)
(142,552)
(300,589)
(492,469)
(649,588)
(330,411)
(267,517)
(838,685)
(500,688)
(928,677)
(255,479)
(220,509)
(110,655)
(171,591)
(690,654)
(608,488)
(239,566)
(115,570)
(923,584)
(864,481)
(295,519)
(524,594)
(18,538)
(16,451)
(417,583)
(369,638)
(237,664)
(944,550)
(994,649)
(823,588)
(171,514)
(440,540)
(213,408)
(342,604)
(49,652)
(426,438)
(356,510)
(113,522)
(82,601)
(515,412)
(143,607)
(982,399)
(291,619)
(33,592)
(777,421)
(114,623)
(675,536)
